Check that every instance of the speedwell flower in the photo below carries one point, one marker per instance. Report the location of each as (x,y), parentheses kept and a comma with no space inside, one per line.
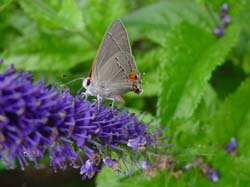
(36,120)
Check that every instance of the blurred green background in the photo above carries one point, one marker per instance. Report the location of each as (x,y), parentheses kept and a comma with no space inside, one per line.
(195,84)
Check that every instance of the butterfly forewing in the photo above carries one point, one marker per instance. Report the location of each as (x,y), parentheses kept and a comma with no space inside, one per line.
(118,67)
(115,40)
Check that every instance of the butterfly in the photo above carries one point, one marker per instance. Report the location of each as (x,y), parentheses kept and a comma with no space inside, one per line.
(113,71)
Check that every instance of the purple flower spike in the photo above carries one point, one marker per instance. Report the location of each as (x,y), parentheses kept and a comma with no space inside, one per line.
(35,119)
(223,22)
(231,146)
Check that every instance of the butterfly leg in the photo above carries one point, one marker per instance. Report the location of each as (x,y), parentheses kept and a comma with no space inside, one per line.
(99,101)
(84,95)
(113,103)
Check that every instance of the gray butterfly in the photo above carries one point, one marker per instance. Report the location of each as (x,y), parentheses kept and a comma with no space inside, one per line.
(113,70)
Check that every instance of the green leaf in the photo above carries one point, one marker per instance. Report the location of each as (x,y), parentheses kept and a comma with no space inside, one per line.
(234,171)
(227,78)
(4,4)
(190,134)
(208,105)
(242,16)
(18,21)
(233,118)
(155,20)
(99,14)
(107,178)
(46,51)
(8,31)
(67,17)
(241,54)
(162,179)
(149,74)
(150,84)
(191,56)
(70,11)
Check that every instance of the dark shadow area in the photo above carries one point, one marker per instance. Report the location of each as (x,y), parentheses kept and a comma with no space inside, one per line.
(43,178)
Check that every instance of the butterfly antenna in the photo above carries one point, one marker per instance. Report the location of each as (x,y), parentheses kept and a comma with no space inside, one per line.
(71,81)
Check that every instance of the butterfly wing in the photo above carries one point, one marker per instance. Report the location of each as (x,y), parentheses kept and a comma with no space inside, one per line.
(115,40)
(120,74)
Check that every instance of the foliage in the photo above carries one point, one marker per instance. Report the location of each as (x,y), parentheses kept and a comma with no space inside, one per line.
(195,83)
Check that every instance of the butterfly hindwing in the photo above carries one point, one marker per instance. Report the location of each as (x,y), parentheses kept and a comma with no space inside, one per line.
(116,74)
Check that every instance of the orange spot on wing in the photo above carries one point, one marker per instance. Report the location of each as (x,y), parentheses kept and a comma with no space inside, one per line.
(132,76)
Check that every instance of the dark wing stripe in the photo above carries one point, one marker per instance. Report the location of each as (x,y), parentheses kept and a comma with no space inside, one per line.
(111,36)
(121,68)
(115,40)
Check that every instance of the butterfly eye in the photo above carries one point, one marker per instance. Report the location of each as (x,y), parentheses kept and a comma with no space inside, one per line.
(88,82)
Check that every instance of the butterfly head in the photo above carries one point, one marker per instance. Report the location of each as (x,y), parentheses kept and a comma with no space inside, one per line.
(86,82)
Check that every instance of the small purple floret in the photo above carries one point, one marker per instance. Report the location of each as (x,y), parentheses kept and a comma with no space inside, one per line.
(231,146)
(145,165)
(88,169)
(218,31)
(111,163)
(137,143)
(213,174)
(225,20)
(224,8)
